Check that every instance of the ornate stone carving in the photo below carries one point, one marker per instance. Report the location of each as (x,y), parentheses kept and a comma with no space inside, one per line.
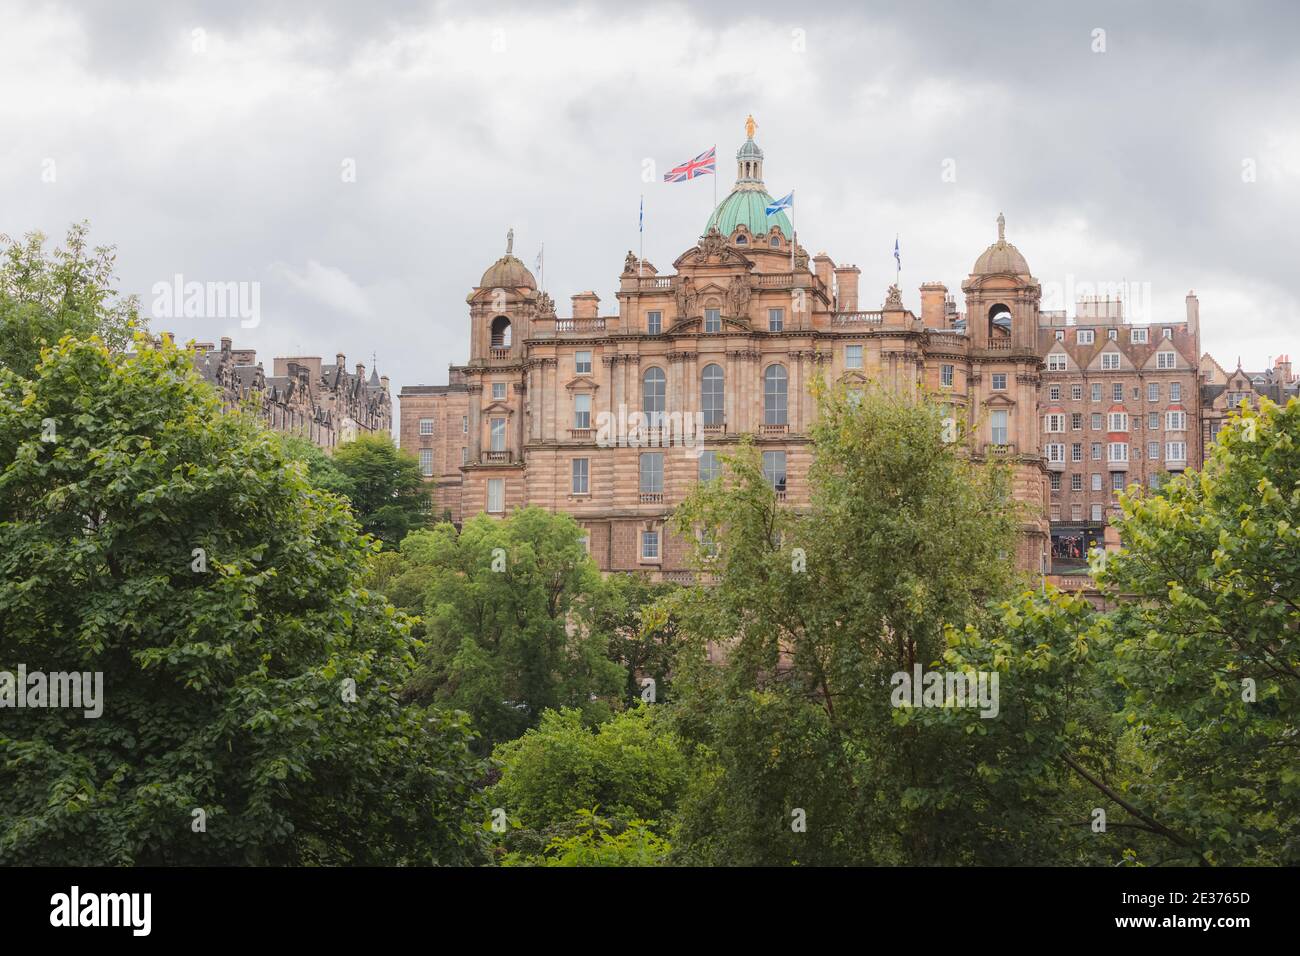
(630,263)
(712,243)
(545,305)
(738,296)
(686,298)
(801,259)
(893,298)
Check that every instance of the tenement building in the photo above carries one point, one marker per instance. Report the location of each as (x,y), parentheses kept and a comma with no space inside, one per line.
(326,404)
(1222,393)
(1120,405)
(729,340)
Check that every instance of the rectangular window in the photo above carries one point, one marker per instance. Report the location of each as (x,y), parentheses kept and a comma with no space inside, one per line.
(581,476)
(426,461)
(998,427)
(1117,481)
(1076,512)
(1138,336)
(1084,336)
(1053,423)
(775,320)
(1176,451)
(652,473)
(1096,451)
(498,391)
(945,376)
(1175,421)
(1076,451)
(1056,452)
(1153,420)
(774,469)
(649,545)
(1110,360)
(1153,392)
(1112,334)
(582,363)
(654,322)
(464,424)
(464,455)
(1117,422)
(1096,512)
(1096,481)
(1175,391)
(852,356)
(1076,421)
(581,411)
(426,426)
(1095,421)
(1000,382)
(1056,481)
(1117,451)
(1153,450)
(496,495)
(1096,391)
(1054,393)
(498,426)
(1076,392)
(712,320)
(1056,362)
(1076,482)
(1165,360)
(710,467)
(1117,392)
(1056,512)
(1168,332)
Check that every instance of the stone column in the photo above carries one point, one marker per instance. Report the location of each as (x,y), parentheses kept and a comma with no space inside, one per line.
(475,422)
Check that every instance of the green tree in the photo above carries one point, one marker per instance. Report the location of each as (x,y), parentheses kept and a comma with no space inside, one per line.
(596,844)
(1208,643)
(507,617)
(384,485)
(631,612)
(44,296)
(631,767)
(811,615)
(322,470)
(246,673)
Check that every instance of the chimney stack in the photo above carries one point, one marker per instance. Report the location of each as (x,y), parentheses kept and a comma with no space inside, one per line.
(934,297)
(586,305)
(846,288)
(1193,313)
(824,269)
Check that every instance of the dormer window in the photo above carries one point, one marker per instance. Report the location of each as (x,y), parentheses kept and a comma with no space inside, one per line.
(742,241)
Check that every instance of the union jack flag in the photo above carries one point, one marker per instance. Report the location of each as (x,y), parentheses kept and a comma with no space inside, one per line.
(704,163)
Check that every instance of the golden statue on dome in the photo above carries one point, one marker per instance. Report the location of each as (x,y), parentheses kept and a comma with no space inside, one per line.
(750,126)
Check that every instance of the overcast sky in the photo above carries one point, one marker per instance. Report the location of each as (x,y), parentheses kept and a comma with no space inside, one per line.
(212,140)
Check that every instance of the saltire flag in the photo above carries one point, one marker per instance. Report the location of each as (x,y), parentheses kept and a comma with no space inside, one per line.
(785,202)
(896,258)
(641,218)
(701,165)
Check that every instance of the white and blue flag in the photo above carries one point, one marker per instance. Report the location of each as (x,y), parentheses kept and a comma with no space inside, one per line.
(785,202)
(896,258)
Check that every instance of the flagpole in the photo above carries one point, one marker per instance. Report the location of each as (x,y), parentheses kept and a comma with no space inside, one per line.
(898,263)
(715,178)
(641,227)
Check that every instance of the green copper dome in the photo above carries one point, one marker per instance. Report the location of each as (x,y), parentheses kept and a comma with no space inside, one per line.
(748,206)
(749,199)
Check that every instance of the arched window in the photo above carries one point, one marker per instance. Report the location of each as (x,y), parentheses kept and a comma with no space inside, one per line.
(501,332)
(776,242)
(742,241)
(774,395)
(999,321)
(711,389)
(653,385)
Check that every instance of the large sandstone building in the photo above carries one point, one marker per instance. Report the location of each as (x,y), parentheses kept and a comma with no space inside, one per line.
(735,333)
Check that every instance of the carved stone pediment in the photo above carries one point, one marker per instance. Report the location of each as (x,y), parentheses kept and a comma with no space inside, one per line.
(584,382)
